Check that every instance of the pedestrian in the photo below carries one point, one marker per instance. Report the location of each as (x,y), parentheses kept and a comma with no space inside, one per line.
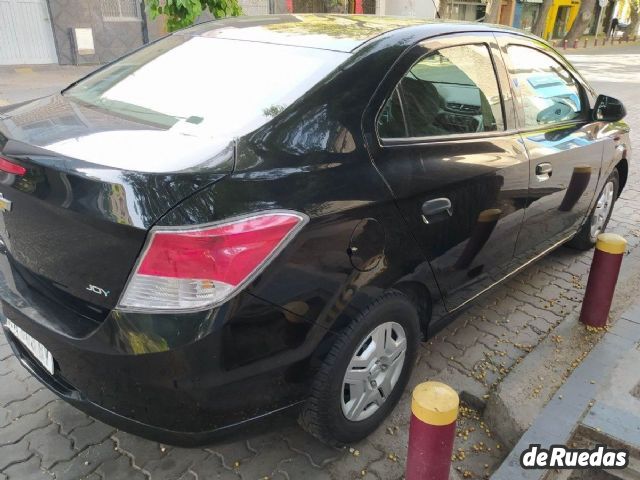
(614,27)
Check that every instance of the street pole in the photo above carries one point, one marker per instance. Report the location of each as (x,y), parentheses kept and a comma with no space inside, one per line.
(603,4)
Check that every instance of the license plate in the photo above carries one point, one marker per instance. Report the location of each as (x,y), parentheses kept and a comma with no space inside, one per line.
(34,346)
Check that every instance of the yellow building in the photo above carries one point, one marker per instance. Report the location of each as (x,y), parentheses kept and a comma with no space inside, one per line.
(560,18)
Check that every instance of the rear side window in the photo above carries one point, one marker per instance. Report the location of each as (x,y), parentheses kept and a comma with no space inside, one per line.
(549,93)
(206,87)
(449,92)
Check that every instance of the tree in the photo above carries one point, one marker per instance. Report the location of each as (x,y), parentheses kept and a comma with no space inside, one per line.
(582,20)
(182,13)
(632,29)
(492,11)
(541,19)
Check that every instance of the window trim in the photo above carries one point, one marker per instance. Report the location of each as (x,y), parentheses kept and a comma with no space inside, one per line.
(584,99)
(416,141)
(393,142)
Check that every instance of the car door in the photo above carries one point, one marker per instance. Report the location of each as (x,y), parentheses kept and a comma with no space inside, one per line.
(441,131)
(562,144)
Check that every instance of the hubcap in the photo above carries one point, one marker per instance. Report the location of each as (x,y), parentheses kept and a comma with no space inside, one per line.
(373,371)
(602,210)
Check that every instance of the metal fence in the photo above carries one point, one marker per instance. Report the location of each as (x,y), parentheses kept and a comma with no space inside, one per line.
(255,7)
(120,9)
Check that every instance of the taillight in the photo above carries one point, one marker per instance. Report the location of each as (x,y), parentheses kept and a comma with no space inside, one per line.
(197,268)
(9,167)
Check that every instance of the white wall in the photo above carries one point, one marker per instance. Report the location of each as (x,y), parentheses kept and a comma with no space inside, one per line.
(410,8)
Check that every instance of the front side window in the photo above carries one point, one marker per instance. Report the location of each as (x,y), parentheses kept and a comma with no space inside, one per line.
(549,93)
(448,92)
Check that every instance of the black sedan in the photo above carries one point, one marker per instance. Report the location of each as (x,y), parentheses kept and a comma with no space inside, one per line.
(266,213)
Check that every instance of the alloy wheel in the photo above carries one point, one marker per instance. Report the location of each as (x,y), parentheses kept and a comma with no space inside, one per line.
(602,210)
(373,371)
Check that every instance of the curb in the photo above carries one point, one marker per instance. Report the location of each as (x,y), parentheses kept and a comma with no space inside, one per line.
(559,420)
(596,43)
(509,411)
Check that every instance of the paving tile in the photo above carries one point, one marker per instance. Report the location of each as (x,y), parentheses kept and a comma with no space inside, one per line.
(212,468)
(120,468)
(67,417)
(31,404)
(28,470)
(91,434)
(50,446)
(14,453)
(86,462)
(175,463)
(20,427)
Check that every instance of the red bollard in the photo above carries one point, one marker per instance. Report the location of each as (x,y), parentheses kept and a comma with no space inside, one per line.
(564,44)
(434,410)
(603,276)
(575,43)
(585,43)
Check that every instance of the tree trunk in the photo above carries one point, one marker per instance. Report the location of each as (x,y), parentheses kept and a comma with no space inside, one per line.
(541,19)
(582,20)
(492,11)
(632,29)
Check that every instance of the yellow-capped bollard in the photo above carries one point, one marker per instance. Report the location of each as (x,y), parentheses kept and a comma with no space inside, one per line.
(603,277)
(434,411)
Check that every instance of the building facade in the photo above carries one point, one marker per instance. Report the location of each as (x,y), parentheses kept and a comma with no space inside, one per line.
(560,18)
(98,31)
(77,32)
(525,14)
(69,31)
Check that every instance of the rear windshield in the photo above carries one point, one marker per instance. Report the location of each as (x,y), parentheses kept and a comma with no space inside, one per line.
(206,87)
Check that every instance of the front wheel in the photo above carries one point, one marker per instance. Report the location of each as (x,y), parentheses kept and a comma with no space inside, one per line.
(597,222)
(365,372)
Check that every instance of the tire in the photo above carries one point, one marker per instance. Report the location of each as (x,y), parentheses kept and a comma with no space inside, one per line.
(585,239)
(324,415)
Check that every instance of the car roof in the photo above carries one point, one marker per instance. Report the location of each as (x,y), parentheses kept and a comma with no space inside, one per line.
(344,33)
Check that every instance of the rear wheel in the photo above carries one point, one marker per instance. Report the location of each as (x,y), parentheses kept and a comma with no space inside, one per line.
(600,215)
(365,373)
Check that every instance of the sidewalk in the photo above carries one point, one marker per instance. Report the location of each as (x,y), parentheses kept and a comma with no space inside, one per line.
(599,404)
(25,82)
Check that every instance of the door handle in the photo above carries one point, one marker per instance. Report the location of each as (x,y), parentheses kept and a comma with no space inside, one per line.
(436,209)
(544,171)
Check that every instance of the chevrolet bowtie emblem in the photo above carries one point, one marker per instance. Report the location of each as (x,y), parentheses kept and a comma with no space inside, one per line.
(5,205)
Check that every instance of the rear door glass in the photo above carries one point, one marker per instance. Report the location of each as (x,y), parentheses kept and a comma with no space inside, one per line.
(449,92)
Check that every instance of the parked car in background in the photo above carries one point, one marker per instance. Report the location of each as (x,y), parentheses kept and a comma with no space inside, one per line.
(261,214)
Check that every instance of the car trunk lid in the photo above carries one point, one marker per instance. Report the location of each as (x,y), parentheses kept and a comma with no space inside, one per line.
(93,185)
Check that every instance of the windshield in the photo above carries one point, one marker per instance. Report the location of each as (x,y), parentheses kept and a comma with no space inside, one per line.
(206,87)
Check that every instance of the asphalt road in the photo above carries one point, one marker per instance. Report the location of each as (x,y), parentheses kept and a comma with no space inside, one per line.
(42,437)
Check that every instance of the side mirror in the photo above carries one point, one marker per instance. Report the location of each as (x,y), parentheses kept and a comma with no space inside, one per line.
(608,109)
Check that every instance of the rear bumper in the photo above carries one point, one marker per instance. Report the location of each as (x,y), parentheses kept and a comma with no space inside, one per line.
(181,380)
(67,392)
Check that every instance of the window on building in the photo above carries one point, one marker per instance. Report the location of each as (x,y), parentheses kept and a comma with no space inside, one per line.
(549,93)
(451,91)
(118,10)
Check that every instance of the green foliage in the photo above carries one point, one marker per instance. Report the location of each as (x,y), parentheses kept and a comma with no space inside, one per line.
(182,13)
